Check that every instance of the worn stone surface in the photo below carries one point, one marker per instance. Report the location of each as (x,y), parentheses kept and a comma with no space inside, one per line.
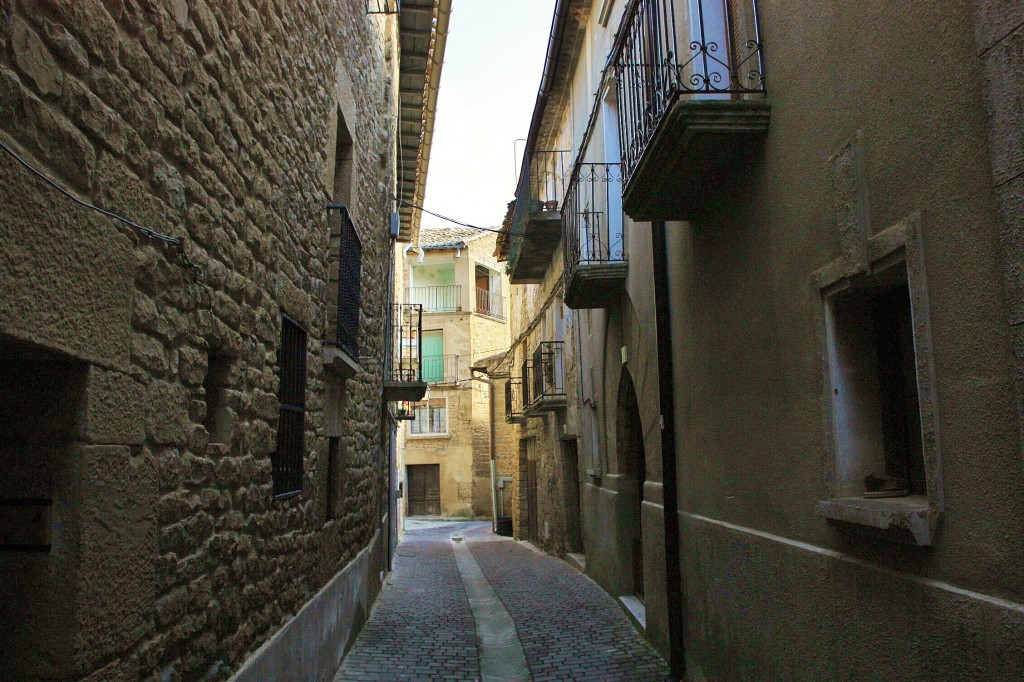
(210,121)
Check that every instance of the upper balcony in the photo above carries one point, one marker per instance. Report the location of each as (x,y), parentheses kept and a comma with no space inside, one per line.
(689,117)
(341,351)
(490,303)
(515,408)
(547,379)
(440,369)
(595,258)
(436,299)
(404,380)
(537,221)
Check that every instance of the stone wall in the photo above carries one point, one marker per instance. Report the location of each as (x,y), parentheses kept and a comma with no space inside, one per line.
(213,121)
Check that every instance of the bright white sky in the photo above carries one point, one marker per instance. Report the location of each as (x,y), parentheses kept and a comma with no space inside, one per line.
(492,69)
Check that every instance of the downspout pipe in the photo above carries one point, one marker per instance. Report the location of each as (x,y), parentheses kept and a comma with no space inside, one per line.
(493,439)
(670,485)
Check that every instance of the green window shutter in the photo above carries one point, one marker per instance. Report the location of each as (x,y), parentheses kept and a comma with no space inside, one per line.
(433,356)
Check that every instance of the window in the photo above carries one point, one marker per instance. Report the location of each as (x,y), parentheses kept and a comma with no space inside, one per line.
(430,417)
(291,428)
(218,420)
(874,387)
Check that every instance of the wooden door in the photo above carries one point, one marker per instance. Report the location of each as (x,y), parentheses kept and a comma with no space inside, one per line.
(531,499)
(424,489)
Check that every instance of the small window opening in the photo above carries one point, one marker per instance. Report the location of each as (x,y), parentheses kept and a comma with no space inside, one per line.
(291,428)
(874,388)
(219,419)
(343,163)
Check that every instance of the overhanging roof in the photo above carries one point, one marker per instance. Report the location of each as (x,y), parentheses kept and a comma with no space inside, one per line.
(423,34)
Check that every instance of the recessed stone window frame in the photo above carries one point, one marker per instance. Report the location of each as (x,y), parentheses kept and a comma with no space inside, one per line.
(913,519)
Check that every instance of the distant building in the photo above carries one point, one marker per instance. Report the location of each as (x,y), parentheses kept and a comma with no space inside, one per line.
(194,433)
(444,443)
(772,235)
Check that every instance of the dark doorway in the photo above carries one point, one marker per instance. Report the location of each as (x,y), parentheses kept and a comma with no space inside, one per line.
(424,489)
(571,478)
(528,513)
(630,443)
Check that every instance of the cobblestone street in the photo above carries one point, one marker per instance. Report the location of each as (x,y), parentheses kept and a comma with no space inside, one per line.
(433,621)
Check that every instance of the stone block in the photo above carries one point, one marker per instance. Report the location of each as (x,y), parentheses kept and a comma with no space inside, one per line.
(113,412)
(117,519)
(1004,70)
(167,420)
(35,60)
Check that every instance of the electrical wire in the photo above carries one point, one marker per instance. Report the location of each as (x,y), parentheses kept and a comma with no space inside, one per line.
(176,242)
(469,225)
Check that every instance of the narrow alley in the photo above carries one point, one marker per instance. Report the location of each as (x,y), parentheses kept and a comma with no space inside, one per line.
(422,626)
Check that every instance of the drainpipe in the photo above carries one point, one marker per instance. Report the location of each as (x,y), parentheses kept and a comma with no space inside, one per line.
(493,438)
(673,569)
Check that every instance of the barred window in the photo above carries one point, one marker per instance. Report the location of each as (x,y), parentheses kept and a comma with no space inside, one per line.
(291,428)
(430,417)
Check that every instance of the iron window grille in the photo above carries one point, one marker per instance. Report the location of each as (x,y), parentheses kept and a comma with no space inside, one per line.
(591,221)
(291,428)
(383,6)
(724,60)
(547,372)
(350,264)
(406,342)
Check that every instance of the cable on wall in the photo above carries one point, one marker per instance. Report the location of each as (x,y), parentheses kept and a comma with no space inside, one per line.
(177,242)
(474,227)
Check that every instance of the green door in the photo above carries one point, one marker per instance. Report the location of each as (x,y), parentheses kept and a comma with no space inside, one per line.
(433,356)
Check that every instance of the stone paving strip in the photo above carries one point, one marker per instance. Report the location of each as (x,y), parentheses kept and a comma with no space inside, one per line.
(570,628)
(463,604)
(421,627)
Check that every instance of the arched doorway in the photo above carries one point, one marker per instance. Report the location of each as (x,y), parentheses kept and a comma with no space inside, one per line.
(629,440)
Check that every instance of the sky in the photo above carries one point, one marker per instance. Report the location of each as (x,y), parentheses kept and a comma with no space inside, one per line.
(492,69)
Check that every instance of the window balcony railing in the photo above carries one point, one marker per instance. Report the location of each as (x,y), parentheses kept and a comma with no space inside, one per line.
(440,369)
(515,407)
(437,299)
(536,221)
(490,303)
(708,57)
(547,385)
(404,373)
(595,257)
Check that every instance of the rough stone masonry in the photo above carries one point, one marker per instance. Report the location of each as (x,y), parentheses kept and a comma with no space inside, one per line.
(212,120)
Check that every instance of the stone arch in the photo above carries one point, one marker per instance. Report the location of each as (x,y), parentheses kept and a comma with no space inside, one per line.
(632,460)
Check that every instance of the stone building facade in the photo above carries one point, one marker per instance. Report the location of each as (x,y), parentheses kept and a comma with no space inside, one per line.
(193,488)
(793,291)
(444,450)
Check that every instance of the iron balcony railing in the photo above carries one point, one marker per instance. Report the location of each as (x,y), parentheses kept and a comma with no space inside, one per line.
(440,369)
(592,216)
(406,340)
(350,259)
(490,303)
(723,58)
(515,407)
(542,185)
(438,299)
(548,372)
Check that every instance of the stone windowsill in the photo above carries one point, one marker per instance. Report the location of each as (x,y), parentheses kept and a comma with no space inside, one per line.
(428,436)
(908,520)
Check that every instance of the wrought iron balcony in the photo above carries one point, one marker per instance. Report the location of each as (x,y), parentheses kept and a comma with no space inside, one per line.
(687,117)
(439,299)
(440,369)
(547,387)
(515,408)
(490,303)
(341,351)
(595,257)
(404,380)
(537,221)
